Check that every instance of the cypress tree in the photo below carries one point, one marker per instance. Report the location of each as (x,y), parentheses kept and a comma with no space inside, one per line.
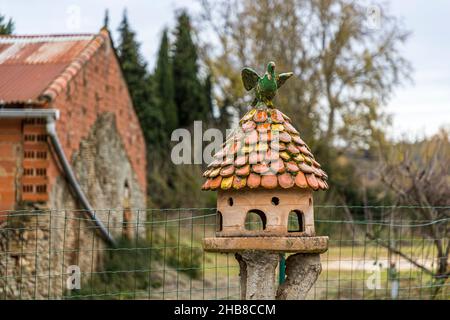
(6,27)
(154,118)
(165,86)
(140,84)
(106,19)
(189,91)
(133,66)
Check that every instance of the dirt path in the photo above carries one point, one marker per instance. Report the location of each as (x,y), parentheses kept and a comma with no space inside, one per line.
(371,264)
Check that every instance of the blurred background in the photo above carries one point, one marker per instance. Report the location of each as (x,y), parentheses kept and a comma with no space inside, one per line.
(370,86)
(370,93)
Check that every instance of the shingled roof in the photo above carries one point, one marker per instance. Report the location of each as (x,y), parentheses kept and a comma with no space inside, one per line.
(266,151)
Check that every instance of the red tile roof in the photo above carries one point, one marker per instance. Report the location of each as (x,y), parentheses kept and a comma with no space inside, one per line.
(266,151)
(34,69)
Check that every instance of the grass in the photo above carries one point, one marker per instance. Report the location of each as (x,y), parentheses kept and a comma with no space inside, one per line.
(337,284)
(138,266)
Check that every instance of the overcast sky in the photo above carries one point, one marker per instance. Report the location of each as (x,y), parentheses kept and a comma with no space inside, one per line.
(418,108)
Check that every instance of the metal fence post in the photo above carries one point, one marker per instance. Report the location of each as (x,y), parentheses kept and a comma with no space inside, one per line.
(282,273)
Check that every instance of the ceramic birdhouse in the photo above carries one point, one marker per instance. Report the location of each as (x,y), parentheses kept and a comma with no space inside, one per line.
(265,175)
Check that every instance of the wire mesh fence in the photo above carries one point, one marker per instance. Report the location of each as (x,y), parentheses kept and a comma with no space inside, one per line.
(383,252)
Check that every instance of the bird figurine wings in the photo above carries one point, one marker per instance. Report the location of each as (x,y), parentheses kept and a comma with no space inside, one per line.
(265,87)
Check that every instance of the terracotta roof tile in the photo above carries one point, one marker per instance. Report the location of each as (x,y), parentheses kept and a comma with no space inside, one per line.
(265,152)
(300,180)
(239,182)
(269,181)
(253,180)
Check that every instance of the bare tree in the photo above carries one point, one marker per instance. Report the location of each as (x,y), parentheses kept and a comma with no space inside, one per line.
(345,69)
(418,175)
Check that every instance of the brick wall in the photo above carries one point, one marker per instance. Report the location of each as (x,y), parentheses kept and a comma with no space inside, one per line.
(36,159)
(10,161)
(98,88)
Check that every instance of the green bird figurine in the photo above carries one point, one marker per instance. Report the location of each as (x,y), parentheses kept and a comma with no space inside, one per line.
(265,87)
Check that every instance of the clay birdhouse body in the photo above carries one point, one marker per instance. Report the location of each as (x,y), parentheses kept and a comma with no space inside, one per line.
(276,209)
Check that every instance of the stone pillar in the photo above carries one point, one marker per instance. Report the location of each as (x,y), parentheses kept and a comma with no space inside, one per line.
(257,274)
(302,271)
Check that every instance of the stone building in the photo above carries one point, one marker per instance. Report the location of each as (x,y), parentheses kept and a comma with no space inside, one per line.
(70,142)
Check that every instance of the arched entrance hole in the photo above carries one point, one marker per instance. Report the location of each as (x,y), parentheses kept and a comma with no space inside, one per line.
(296,221)
(255,220)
